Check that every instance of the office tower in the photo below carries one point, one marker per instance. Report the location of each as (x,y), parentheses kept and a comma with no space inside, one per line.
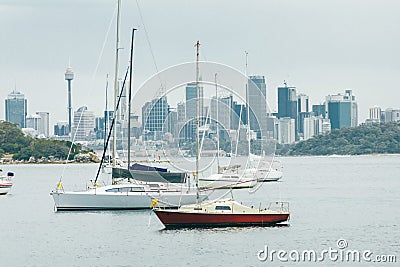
(391,114)
(33,121)
(84,124)
(181,110)
(303,110)
(315,125)
(286,130)
(375,114)
(256,99)
(226,114)
(241,113)
(342,110)
(287,104)
(16,108)
(154,115)
(319,110)
(44,126)
(172,121)
(69,76)
(190,122)
(61,128)
(191,101)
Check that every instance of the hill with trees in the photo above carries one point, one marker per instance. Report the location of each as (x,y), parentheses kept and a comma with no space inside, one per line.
(382,138)
(23,148)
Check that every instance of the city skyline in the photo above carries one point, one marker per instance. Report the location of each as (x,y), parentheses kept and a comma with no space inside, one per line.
(354,47)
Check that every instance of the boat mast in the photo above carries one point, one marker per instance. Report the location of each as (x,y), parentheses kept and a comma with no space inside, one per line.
(106,116)
(217,128)
(248,104)
(130,99)
(197,120)
(116,90)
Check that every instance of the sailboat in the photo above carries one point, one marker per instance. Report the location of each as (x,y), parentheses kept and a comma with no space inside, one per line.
(5,182)
(124,192)
(226,177)
(223,212)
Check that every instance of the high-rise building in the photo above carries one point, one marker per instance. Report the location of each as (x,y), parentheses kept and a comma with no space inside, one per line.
(241,113)
(188,131)
(33,122)
(191,95)
(342,110)
(257,104)
(319,110)
(16,109)
(391,114)
(287,104)
(44,126)
(181,110)
(375,114)
(154,116)
(84,124)
(61,128)
(286,130)
(226,114)
(303,110)
(315,125)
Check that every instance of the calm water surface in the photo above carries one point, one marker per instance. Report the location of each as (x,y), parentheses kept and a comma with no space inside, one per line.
(353,198)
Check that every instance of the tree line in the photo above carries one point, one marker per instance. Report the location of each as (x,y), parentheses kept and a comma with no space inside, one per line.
(22,147)
(378,138)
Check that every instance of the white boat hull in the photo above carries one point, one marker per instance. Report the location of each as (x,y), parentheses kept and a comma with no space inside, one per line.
(4,189)
(221,182)
(120,200)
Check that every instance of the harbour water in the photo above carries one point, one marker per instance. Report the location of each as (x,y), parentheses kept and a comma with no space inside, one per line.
(355,199)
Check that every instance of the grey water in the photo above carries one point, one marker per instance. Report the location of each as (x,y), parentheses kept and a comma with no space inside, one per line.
(356,199)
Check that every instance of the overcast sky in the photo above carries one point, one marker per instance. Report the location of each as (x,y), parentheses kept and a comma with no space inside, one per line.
(321,47)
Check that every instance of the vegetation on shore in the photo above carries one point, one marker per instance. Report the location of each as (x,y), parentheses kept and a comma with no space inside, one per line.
(379,138)
(25,148)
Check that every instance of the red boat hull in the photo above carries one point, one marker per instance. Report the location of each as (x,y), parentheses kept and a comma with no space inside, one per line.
(172,219)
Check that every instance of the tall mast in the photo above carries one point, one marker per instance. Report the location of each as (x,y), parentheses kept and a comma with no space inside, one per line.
(130,99)
(248,103)
(116,90)
(217,128)
(106,116)
(197,120)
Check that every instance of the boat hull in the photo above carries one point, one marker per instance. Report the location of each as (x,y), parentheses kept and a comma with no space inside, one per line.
(224,183)
(118,201)
(172,219)
(5,188)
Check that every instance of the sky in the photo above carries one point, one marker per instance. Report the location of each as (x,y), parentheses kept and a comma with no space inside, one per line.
(320,46)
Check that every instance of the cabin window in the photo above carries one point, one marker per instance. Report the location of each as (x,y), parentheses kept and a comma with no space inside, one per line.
(112,190)
(137,189)
(222,208)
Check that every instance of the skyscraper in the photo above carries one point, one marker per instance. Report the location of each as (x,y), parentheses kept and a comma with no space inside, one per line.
(16,109)
(319,110)
(189,129)
(44,126)
(191,101)
(257,101)
(303,110)
(33,121)
(84,124)
(342,110)
(287,104)
(154,116)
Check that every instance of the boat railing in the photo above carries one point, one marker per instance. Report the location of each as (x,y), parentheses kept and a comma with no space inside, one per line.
(280,206)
